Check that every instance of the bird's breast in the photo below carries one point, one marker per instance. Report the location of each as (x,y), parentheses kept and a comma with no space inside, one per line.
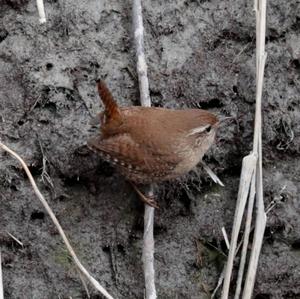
(190,157)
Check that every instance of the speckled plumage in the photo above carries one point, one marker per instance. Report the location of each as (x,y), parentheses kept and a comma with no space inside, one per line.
(152,144)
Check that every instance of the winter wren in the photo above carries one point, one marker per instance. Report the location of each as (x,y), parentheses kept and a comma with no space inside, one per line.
(149,144)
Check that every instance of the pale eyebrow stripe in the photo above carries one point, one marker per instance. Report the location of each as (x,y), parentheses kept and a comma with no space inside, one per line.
(198,130)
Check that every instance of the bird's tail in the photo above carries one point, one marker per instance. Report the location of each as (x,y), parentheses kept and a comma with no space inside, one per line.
(111,108)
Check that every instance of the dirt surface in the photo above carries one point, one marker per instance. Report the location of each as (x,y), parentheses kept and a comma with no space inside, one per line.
(200,54)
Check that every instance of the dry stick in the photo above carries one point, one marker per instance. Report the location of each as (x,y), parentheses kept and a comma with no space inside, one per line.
(260,224)
(248,169)
(211,174)
(225,236)
(92,280)
(41,10)
(1,281)
(15,239)
(221,278)
(256,185)
(148,242)
(246,238)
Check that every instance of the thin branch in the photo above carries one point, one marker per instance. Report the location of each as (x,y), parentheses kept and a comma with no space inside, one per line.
(92,280)
(41,10)
(148,242)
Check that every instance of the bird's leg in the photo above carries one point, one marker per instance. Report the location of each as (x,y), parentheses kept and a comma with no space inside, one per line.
(149,200)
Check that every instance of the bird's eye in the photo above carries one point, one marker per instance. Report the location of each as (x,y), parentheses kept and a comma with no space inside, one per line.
(207,130)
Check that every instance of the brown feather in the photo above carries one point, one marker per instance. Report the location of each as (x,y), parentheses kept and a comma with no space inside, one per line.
(111,108)
(133,160)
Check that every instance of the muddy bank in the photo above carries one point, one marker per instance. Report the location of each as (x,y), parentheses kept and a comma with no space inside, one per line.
(200,54)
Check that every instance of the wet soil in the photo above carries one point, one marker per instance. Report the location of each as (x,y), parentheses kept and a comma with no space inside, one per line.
(199,54)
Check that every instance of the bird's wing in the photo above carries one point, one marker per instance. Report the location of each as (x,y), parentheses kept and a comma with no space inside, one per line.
(125,153)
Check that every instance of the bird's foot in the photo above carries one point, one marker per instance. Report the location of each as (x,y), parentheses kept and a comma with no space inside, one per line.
(149,200)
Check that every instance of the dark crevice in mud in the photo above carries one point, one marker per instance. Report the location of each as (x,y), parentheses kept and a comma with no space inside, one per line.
(7,241)
(271,233)
(274,36)
(296,244)
(3,34)
(211,103)
(296,25)
(37,215)
(230,35)
(295,63)
(156,98)
(235,36)
(263,296)
(16,4)
(292,295)
(206,105)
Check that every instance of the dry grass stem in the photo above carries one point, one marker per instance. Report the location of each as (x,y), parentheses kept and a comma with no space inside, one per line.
(15,239)
(84,284)
(253,185)
(248,168)
(225,237)
(41,10)
(211,174)
(261,219)
(92,280)
(148,241)
(1,280)
(246,238)
(220,281)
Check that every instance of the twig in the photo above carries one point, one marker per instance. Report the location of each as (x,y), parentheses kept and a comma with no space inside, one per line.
(140,54)
(225,237)
(15,239)
(92,280)
(1,280)
(84,284)
(211,174)
(41,10)
(220,281)
(45,175)
(148,243)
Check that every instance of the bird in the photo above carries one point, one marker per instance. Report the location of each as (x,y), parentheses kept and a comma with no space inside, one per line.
(151,144)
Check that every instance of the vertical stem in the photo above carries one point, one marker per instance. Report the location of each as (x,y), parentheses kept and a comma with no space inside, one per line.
(148,253)
(148,241)
(248,170)
(41,10)
(260,224)
(1,281)
(246,237)
(140,54)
